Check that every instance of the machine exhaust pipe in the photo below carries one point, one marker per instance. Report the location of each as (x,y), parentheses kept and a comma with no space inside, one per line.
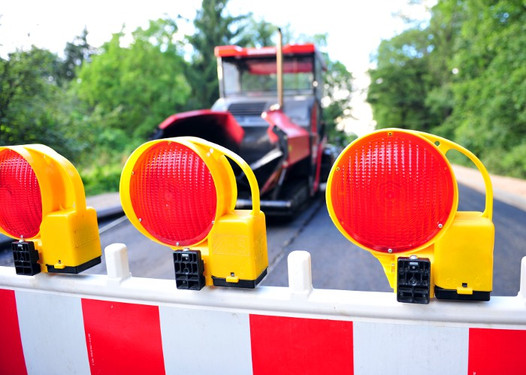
(279,70)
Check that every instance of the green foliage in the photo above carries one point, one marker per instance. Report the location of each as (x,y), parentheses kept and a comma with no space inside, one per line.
(337,90)
(466,81)
(31,102)
(490,90)
(259,33)
(401,81)
(105,175)
(143,83)
(213,28)
(75,53)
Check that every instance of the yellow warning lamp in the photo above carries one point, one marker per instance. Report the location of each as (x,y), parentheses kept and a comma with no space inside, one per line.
(43,206)
(181,192)
(393,193)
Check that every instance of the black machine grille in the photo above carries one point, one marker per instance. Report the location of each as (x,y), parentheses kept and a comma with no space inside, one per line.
(247,109)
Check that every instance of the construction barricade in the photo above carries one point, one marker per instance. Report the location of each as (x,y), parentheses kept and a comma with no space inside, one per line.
(119,324)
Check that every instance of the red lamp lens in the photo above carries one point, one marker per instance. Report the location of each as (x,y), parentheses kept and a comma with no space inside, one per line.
(392,191)
(173,194)
(20,199)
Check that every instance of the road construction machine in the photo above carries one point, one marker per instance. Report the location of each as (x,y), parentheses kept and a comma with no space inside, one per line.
(269,112)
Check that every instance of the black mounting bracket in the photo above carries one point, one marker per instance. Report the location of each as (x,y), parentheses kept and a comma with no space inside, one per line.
(413,280)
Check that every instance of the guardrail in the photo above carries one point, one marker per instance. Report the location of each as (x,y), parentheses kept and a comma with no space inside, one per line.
(116,323)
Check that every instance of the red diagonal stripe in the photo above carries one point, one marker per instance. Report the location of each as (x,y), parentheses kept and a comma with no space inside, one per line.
(496,351)
(122,338)
(11,352)
(283,345)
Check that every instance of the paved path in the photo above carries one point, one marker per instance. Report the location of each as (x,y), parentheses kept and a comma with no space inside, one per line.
(506,189)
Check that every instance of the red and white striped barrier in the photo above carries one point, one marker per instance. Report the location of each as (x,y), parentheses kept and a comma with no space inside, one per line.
(118,324)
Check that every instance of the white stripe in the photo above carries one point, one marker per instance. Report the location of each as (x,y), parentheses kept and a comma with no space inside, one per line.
(52,332)
(205,341)
(407,349)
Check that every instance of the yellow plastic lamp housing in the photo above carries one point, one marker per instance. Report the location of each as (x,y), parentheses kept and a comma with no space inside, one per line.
(43,205)
(181,192)
(393,193)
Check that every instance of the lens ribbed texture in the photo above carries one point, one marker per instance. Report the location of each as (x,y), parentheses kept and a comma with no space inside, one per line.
(393,191)
(173,194)
(20,199)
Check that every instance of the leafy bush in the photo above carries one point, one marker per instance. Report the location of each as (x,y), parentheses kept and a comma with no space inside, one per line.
(462,77)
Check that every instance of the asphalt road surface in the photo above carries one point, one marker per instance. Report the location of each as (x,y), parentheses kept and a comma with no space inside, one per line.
(336,263)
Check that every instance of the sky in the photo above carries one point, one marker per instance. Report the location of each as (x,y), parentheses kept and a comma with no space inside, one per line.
(354,28)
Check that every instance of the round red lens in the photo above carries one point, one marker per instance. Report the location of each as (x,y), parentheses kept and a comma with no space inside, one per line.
(173,194)
(20,199)
(392,192)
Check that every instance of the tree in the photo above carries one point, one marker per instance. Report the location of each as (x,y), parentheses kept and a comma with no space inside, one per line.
(337,101)
(444,30)
(401,81)
(490,88)
(75,54)
(30,101)
(259,33)
(213,28)
(337,90)
(463,77)
(136,87)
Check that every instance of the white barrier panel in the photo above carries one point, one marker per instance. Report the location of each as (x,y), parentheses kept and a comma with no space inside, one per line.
(118,324)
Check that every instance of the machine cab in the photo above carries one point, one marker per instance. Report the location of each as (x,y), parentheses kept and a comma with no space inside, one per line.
(248,83)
